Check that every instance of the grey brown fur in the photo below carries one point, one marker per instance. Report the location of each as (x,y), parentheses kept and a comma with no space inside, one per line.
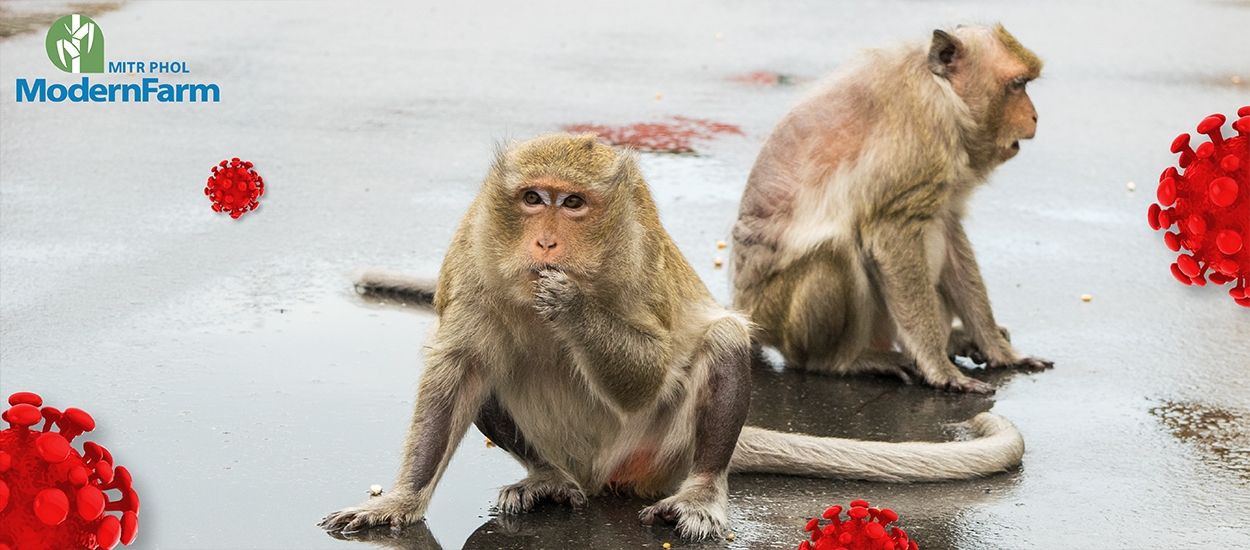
(593,354)
(849,250)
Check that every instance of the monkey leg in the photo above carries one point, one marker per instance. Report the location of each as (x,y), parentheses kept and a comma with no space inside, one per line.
(448,396)
(543,481)
(809,312)
(829,326)
(887,363)
(964,293)
(722,391)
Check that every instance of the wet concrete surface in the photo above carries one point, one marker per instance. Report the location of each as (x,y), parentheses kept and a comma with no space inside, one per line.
(232,369)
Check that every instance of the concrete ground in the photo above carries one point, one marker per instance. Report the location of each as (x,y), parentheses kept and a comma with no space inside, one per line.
(233,370)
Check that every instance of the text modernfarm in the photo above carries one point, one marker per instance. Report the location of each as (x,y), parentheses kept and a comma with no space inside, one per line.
(85,91)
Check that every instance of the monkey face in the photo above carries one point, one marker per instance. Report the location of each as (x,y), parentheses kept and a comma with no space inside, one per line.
(1012,69)
(1019,118)
(559,202)
(556,218)
(988,69)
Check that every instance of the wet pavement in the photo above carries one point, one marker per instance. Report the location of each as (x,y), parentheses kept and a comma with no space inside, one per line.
(250,391)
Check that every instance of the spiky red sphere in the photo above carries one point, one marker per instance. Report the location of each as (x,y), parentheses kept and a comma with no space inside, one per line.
(867,529)
(234,187)
(52,497)
(1209,204)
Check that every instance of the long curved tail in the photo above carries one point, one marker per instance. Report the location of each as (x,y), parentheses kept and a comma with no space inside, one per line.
(998,448)
(419,290)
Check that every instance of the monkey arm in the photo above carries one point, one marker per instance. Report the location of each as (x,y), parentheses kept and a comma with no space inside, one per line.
(724,399)
(720,372)
(965,291)
(448,397)
(961,283)
(902,268)
(622,360)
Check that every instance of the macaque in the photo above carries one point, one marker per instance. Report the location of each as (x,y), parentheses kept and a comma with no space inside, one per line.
(849,251)
(576,337)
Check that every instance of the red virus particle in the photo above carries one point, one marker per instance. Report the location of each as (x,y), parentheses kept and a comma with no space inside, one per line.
(867,529)
(51,497)
(1210,206)
(234,187)
(659,137)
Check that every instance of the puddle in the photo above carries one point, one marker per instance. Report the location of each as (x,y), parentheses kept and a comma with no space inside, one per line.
(1221,434)
(676,136)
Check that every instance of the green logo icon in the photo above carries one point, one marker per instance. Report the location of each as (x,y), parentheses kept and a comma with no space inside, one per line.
(76,45)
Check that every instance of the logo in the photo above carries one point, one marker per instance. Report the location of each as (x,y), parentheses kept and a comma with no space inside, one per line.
(76,45)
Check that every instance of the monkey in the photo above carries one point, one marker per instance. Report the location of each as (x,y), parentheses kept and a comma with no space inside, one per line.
(849,252)
(573,333)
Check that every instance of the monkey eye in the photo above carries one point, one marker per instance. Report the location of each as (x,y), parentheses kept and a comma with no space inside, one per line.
(1017,84)
(574,202)
(532,198)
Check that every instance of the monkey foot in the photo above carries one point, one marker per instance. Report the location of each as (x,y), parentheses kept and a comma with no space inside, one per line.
(965,384)
(394,509)
(522,496)
(696,518)
(908,373)
(1032,363)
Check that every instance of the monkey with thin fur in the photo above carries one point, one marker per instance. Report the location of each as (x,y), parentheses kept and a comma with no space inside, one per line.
(576,337)
(849,250)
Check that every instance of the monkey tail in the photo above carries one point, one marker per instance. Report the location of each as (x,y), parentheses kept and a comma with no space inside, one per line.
(419,290)
(998,447)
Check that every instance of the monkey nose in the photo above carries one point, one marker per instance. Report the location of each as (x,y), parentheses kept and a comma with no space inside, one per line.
(545,244)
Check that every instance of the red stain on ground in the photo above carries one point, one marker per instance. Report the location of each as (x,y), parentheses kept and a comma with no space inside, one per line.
(766,78)
(660,137)
(763,78)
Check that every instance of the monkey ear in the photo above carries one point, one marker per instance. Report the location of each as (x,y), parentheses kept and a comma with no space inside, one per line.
(944,54)
(624,170)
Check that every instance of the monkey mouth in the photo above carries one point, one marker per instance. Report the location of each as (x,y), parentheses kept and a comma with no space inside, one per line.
(1015,145)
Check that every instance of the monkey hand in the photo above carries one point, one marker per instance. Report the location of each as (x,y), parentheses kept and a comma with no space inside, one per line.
(554,294)
(997,353)
(1004,355)
(543,484)
(414,537)
(397,509)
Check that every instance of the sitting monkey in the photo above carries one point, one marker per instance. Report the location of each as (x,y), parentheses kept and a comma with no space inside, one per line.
(574,334)
(849,251)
